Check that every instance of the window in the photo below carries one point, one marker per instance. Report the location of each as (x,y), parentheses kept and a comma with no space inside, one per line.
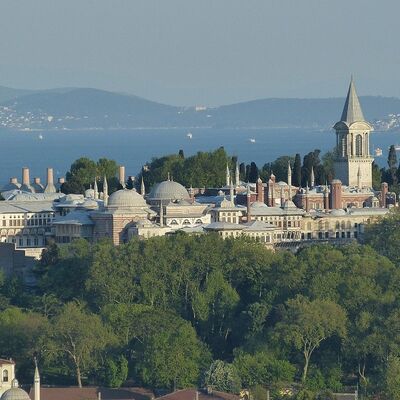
(359,143)
(344,146)
(5,376)
(187,222)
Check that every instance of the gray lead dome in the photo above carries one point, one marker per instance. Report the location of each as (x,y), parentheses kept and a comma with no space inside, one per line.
(169,190)
(15,393)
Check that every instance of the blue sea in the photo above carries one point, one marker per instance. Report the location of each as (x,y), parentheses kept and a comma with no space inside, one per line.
(133,148)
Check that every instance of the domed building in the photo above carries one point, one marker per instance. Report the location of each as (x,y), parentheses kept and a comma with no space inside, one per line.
(124,208)
(166,192)
(15,392)
(175,207)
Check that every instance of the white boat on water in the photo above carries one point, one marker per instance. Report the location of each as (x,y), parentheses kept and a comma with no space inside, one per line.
(378,152)
(40,137)
(189,135)
(252,140)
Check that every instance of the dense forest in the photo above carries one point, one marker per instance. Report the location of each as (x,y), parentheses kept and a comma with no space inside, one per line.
(174,312)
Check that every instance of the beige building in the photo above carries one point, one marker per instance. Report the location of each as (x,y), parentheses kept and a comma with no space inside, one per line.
(7,374)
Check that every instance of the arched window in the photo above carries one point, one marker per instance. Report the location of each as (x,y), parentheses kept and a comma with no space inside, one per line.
(359,143)
(186,222)
(5,375)
(199,221)
(173,222)
(344,146)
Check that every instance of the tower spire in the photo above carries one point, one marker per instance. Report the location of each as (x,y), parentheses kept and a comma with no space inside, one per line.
(105,191)
(352,111)
(228,175)
(142,188)
(36,382)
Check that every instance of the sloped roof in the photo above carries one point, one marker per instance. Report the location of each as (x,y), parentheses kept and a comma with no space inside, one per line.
(91,393)
(190,394)
(352,111)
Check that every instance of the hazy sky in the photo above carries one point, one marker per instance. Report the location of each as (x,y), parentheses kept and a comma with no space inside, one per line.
(203,52)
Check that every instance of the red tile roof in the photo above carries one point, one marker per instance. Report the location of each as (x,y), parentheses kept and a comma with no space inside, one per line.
(91,393)
(5,361)
(190,394)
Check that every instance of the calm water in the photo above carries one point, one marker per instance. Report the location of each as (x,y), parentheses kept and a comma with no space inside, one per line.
(136,147)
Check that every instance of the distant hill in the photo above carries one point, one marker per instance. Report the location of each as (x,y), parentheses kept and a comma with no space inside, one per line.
(304,113)
(7,93)
(82,108)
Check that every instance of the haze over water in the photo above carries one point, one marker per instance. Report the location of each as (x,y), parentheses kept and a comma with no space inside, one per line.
(134,148)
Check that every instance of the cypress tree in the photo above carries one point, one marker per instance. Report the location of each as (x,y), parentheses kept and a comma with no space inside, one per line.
(392,163)
(296,178)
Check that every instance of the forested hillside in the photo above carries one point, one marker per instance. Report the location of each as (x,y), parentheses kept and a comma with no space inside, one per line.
(171,312)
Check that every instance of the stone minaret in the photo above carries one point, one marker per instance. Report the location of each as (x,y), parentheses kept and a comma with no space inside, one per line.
(228,175)
(237,175)
(326,198)
(142,188)
(96,190)
(105,191)
(248,203)
(312,177)
(36,383)
(289,174)
(352,144)
(359,180)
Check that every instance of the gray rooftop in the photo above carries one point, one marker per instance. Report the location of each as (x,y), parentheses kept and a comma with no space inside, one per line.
(352,109)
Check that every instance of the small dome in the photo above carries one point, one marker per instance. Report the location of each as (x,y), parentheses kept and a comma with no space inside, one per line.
(89,193)
(338,212)
(126,198)
(15,393)
(90,204)
(169,190)
(258,204)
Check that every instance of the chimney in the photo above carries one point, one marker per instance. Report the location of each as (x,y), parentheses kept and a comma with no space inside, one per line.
(50,176)
(260,191)
(307,200)
(384,191)
(248,204)
(61,180)
(121,174)
(336,194)
(36,181)
(269,193)
(14,181)
(326,198)
(25,176)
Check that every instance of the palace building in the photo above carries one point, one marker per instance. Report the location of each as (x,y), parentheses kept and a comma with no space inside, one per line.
(274,213)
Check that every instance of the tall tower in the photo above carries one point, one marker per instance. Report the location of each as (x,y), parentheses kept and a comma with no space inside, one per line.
(353,162)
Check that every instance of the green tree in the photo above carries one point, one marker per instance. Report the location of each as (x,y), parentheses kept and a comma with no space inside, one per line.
(172,357)
(223,377)
(392,163)
(306,324)
(296,180)
(115,371)
(22,334)
(376,176)
(262,368)
(77,340)
(392,378)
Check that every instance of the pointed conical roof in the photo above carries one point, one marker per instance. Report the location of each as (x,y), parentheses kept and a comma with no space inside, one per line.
(352,109)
